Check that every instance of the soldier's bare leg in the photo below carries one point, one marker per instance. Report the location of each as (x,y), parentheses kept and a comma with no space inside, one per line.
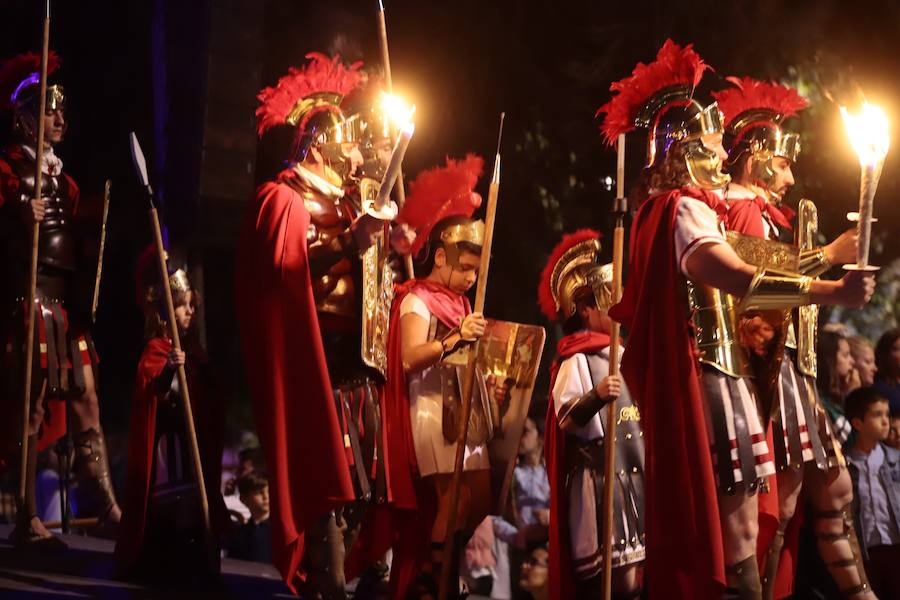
(831,493)
(740,526)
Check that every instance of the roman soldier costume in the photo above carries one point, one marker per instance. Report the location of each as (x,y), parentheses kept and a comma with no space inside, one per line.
(64,350)
(162,533)
(683,333)
(422,410)
(575,431)
(761,233)
(315,378)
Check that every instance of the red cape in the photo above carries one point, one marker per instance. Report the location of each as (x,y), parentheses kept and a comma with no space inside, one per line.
(562,571)
(286,371)
(684,539)
(208,423)
(405,522)
(746,216)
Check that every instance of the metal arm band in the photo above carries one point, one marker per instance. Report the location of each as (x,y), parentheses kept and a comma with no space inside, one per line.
(813,262)
(580,411)
(771,289)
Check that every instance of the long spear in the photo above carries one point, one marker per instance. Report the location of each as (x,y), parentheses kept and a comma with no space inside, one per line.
(96,299)
(140,165)
(609,458)
(469,381)
(32,274)
(389,84)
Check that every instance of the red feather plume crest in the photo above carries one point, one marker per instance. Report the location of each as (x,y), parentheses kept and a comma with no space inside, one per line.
(14,71)
(674,65)
(439,193)
(752,94)
(546,299)
(320,74)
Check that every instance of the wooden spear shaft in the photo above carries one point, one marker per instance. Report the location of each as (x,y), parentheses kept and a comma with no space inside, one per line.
(469,381)
(96,299)
(32,274)
(389,84)
(609,458)
(182,375)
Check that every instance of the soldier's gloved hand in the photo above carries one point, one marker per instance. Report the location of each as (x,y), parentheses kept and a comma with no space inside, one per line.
(365,229)
(175,358)
(609,387)
(38,209)
(843,249)
(472,327)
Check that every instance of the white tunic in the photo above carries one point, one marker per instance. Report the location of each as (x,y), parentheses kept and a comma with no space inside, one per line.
(696,224)
(573,380)
(433,453)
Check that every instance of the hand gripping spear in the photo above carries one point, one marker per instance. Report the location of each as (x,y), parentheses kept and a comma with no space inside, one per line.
(389,84)
(140,165)
(32,274)
(469,381)
(609,458)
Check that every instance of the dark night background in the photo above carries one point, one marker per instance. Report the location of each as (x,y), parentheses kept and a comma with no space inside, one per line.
(183,76)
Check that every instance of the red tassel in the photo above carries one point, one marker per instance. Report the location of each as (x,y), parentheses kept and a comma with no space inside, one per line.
(14,70)
(439,193)
(750,93)
(674,65)
(320,74)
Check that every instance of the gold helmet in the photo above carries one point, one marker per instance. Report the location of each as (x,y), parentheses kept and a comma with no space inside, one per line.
(309,99)
(659,98)
(439,208)
(754,112)
(573,274)
(20,80)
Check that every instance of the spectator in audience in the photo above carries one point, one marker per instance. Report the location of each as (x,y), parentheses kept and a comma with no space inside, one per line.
(863,359)
(530,483)
(253,539)
(875,470)
(893,439)
(887,358)
(836,378)
(250,460)
(534,575)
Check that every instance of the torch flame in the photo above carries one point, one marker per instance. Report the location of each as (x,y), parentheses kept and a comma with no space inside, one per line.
(398,112)
(868,133)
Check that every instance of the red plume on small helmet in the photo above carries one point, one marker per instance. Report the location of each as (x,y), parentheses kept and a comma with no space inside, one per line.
(320,74)
(752,94)
(545,292)
(439,193)
(674,65)
(14,71)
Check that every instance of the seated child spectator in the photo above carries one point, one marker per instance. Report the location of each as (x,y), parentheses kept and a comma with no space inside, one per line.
(875,470)
(863,359)
(253,539)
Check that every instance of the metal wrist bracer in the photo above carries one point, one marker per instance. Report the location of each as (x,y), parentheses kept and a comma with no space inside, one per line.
(581,410)
(813,262)
(772,289)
